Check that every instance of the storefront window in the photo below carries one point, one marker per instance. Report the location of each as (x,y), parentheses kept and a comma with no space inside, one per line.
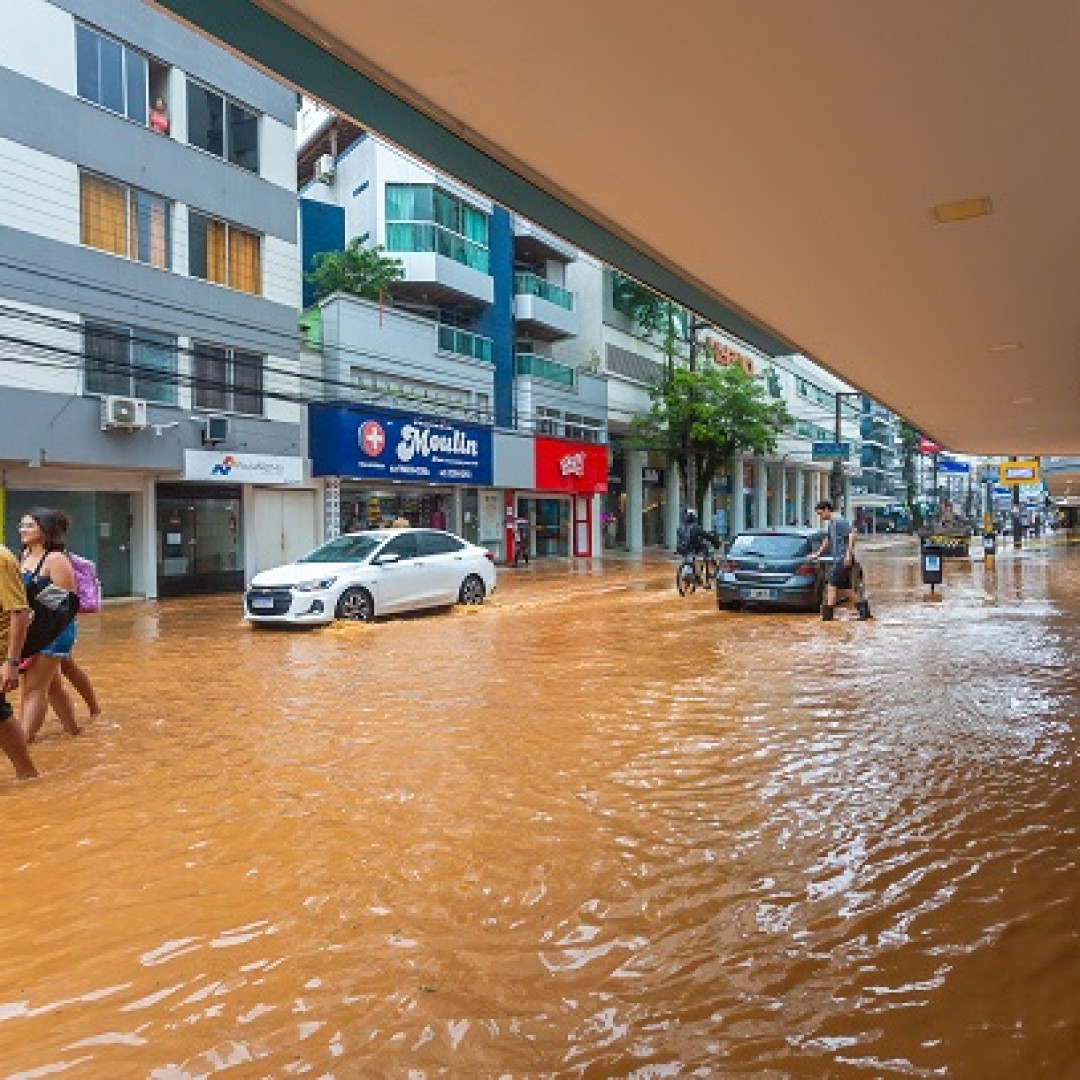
(199,539)
(368,509)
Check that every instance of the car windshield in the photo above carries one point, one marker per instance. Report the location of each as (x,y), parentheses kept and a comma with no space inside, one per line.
(349,548)
(770,546)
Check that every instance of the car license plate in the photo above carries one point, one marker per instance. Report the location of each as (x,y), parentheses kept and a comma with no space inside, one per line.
(262,603)
(760,594)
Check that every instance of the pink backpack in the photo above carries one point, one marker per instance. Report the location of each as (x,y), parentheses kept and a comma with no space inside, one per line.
(86,583)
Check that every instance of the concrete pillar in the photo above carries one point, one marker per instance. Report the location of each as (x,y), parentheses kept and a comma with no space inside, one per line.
(672,507)
(737,516)
(761,494)
(785,513)
(798,497)
(635,501)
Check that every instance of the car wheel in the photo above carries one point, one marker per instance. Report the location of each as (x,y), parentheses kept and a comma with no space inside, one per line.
(355,605)
(472,591)
(728,605)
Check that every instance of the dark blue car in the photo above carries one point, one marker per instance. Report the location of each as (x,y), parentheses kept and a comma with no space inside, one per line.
(772,568)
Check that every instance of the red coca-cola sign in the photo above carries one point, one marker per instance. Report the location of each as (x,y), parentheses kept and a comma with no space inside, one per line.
(562,465)
(928,447)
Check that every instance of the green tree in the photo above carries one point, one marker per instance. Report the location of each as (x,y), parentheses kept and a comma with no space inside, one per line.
(707,415)
(358,270)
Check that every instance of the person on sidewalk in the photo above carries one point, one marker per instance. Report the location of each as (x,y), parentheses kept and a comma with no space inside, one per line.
(14,622)
(845,575)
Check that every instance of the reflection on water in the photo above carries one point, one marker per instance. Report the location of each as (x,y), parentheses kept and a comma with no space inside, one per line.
(590,830)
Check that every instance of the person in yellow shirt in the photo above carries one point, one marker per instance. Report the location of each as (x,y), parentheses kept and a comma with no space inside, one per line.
(14,622)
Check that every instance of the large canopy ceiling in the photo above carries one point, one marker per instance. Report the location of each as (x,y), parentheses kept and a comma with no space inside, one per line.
(772,163)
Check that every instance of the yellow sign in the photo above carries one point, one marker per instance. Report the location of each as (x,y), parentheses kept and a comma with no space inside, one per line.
(1017,473)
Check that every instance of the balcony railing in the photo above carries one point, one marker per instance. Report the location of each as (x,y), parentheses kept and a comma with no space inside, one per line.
(464,343)
(422,236)
(532,285)
(541,367)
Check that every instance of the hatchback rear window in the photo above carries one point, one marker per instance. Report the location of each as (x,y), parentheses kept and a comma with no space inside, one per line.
(770,547)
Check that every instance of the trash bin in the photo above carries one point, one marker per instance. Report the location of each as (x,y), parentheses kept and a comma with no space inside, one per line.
(989,544)
(931,565)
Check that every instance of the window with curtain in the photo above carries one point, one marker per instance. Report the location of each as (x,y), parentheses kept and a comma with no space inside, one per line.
(111,74)
(224,253)
(222,127)
(129,362)
(228,380)
(125,221)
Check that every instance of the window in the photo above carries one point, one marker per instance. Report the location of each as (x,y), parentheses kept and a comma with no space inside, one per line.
(222,127)
(547,421)
(110,74)
(420,217)
(224,254)
(432,543)
(129,363)
(403,546)
(125,221)
(228,380)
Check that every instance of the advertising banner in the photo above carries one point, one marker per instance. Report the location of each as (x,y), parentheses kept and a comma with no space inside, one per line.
(1018,473)
(571,466)
(234,467)
(366,443)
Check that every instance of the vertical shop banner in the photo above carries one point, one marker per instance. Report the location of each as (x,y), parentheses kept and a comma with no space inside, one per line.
(571,466)
(375,444)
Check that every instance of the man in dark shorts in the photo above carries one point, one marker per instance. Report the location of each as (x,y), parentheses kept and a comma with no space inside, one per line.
(14,622)
(845,575)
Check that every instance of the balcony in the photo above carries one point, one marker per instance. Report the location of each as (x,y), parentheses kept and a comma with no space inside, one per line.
(464,343)
(544,310)
(440,265)
(542,367)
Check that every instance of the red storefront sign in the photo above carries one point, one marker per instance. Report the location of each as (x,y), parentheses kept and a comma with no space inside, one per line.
(928,447)
(571,466)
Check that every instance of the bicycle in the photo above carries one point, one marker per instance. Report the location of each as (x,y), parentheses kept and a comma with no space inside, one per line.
(696,570)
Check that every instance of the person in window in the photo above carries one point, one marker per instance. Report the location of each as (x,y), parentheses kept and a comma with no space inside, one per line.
(159,117)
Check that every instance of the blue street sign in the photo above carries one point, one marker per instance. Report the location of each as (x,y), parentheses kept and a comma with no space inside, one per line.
(831,451)
(947,465)
(364,442)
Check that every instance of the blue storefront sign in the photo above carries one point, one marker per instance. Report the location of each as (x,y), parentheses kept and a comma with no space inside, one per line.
(830,451)
(365,443)
(947,465)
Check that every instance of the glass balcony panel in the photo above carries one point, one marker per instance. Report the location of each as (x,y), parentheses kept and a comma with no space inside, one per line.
(423,236)
(540,367)
(533,285)
(451,339)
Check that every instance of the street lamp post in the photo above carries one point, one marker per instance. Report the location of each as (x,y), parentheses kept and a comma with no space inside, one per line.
(692,329)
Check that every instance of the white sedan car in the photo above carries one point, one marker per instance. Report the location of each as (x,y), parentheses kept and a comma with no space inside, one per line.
(361,575)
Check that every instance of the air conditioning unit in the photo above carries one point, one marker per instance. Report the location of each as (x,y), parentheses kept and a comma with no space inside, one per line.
(215,430)
(325,169)
(123,412)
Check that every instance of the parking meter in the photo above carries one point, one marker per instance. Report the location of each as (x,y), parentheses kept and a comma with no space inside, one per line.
(931,565)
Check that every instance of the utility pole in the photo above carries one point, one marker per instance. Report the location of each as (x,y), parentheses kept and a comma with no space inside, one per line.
(836,476)
(692,326)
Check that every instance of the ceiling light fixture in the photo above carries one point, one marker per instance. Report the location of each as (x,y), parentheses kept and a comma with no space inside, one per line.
(1007,346)
(1021,401)
(944,213)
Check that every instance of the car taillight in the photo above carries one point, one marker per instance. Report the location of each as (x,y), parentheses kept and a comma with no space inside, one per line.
(807,569)
(726,564)
(489,556)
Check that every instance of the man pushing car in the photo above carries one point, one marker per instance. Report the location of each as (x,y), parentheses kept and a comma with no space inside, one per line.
(845,575)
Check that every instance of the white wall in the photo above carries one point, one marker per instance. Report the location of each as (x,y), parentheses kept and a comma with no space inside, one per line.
(61,343)
(38,193)
(37,40)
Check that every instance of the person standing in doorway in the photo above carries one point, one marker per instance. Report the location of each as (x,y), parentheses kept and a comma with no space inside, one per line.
(521,541)
(845,574)
(14,622)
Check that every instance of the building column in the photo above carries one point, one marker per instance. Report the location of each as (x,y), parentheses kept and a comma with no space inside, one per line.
(737,514)
(761,494)
(798,497)
(635,500)
(672,512)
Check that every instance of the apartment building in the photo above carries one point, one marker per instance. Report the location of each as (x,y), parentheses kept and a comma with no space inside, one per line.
(149,284)
(465,353)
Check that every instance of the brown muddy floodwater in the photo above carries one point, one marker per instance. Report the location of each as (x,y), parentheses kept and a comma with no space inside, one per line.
(590,830)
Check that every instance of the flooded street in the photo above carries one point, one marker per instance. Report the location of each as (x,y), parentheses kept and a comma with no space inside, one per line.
(588,830)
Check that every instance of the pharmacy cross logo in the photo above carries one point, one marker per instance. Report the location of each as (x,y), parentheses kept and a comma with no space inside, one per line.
(224,466)
(372,438)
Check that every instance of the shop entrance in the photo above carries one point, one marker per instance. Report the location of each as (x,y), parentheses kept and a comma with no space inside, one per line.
(366,508)
(549,523)
(199,539)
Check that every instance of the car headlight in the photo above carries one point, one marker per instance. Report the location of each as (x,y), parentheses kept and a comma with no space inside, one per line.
(315,586)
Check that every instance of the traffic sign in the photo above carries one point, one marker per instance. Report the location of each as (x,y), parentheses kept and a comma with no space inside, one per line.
(1018,473)
(947,465)
(831,451)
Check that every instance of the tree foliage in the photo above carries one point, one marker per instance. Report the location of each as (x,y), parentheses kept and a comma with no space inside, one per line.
(707,415)
(358,270)
(909,449)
